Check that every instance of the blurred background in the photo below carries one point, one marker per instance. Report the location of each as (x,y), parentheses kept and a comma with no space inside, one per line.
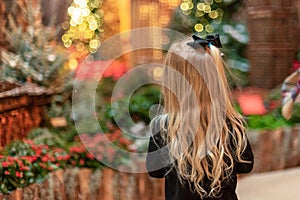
(43,45)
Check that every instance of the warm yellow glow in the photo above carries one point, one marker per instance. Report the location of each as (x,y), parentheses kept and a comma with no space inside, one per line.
(199,13)
(200,6)
(207,8)
(71,10)
(95,4)
(85,12)
(198,27)
(91,50)
(174,3)
(109,17)
(163,1)
(204,14)
(187,12)
(144,9)
(88,34)
(124,9)
(184,6)
(191,5)
(90,18)
(93,26)
(164,19)
(65,25)
(84,25)
(157,55)
(94,44)
(213,14)
(68,43)
(209,28)
(65,38)
(81,3)
(73,23)
(157,72)
(72,64)
(80,47)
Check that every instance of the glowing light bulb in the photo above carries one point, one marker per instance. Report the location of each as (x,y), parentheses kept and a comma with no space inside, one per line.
(82,27)
(71,10)
(207,8)
(81,3)
(85,12)
(65,37)
(73,63)
(93,26)
(209,28)
(85,19)
(191,5)
(94,44)
(68,43)
(80,47)
(184,6)
(200,6)
(73,23)
(90,18)
(95,4)
(199,13)
(187,12)
(198,27)
(213,14)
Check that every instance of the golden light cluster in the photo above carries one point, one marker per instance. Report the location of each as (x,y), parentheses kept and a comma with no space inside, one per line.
(204,12)
(84,26)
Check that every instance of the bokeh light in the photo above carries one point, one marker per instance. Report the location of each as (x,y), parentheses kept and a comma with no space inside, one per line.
(198,27)
(207,13)
(84,26)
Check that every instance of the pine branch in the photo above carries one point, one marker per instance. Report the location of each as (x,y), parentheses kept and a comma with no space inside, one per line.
(33,49)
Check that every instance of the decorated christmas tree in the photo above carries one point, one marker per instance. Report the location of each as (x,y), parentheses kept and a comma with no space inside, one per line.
(85,26)
(33,55)
(216,16)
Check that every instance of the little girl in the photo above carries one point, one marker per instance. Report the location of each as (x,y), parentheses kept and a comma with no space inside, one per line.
(199,144)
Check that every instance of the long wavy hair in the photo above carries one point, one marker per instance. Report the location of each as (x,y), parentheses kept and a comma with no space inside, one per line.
(201,119)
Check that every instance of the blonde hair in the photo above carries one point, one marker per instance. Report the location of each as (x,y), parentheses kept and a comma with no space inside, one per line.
(200,117)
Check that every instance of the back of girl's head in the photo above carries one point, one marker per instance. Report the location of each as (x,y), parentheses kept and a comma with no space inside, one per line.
(195,78)
(199,107)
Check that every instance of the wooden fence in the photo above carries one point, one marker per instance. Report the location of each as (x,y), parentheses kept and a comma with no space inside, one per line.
(275,150)
(84,184)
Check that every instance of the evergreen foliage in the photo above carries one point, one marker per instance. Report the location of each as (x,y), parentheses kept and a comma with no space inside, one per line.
(33,54)
(216,16)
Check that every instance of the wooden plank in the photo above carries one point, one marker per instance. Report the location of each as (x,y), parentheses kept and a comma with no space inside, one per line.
(83,178)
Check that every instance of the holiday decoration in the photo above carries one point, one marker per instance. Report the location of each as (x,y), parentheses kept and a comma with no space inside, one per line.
(85,25)
(207,14)
(203,17)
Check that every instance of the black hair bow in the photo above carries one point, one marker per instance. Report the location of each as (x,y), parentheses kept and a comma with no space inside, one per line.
(201,42)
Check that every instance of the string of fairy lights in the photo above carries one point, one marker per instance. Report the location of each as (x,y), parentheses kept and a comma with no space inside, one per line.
(206,12)
(85,25)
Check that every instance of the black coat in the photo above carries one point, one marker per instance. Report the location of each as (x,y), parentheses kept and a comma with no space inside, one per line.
(158,167)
